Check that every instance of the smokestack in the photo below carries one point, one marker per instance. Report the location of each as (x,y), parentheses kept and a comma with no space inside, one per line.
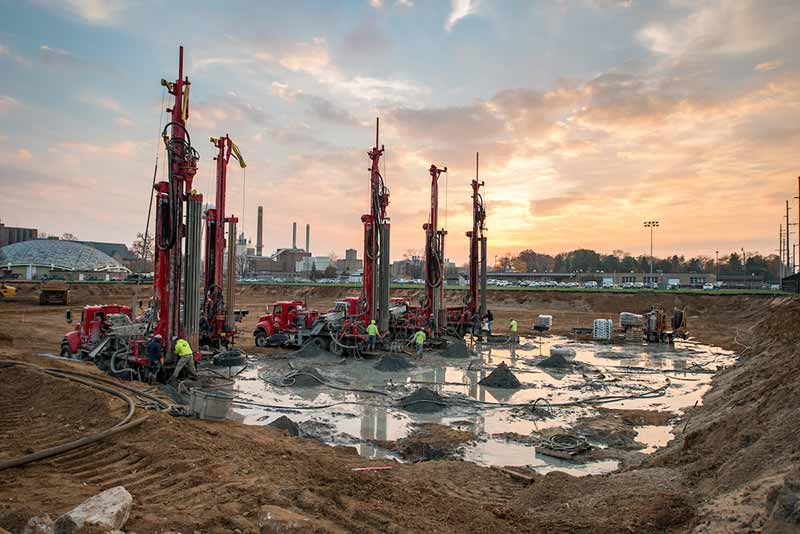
(308,238)
(294,235)
(260,231)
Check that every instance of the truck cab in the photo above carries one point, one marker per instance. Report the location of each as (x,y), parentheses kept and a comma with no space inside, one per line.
(285,317)
(96,319)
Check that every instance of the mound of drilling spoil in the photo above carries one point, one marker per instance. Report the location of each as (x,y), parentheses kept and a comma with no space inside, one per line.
(286,424)
(304,378)
(501,377)
(565,352)
(393,362)
(422,400)
(310,349)
(555,361)
(456,349)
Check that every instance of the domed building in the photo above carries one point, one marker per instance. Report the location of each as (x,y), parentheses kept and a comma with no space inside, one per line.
(63,259)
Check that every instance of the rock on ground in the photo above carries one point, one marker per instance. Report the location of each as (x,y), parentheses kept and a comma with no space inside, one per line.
(787,503)
(39,525)
(277,520)
(108,510)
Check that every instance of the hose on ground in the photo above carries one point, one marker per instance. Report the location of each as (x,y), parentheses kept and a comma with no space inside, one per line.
(124,424)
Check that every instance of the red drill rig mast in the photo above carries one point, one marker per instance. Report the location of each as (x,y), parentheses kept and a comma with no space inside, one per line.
(434,258)
(218,325)
(177,270)
(477,249)
(376,243)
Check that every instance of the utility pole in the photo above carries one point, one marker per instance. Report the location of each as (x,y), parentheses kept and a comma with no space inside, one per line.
(651,225)
(788,241)
(780,251)
(716,263)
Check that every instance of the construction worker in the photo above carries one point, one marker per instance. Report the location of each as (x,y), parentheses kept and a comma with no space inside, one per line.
(419,339)
(513,327)
(186,358)
(476,324)
(155,356)
(489,320)
(372,335)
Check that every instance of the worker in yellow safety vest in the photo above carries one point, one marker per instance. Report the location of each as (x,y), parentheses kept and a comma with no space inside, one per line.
(513,327)
(419,339)
(185,356)
(372,335)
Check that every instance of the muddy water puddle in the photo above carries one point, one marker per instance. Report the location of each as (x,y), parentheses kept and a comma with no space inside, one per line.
(361,411)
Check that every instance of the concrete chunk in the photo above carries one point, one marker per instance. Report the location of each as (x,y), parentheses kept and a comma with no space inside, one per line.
(108,510)
(39,525)
(277,520)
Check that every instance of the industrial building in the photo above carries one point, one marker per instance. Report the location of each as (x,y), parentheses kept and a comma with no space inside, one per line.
(70,260)
(12,234)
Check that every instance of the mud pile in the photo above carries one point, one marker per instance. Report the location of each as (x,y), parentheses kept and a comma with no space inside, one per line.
(310,349)
(430,441)
(456,349)
(390,363)
(285,424)
(422,400)
(304,377)
(501,377)
(555,361)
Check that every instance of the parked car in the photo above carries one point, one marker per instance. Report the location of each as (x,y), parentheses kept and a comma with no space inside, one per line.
(708,286)
(591,284)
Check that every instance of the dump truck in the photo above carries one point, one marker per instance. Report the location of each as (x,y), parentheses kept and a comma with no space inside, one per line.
(7,291)
(54,292)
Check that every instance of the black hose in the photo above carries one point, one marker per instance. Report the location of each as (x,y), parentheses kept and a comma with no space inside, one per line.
(124,424)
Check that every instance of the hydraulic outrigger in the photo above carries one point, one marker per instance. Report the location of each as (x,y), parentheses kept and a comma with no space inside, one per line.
(218,319)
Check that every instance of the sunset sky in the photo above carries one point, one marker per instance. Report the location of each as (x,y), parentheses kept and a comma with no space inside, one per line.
(590,116)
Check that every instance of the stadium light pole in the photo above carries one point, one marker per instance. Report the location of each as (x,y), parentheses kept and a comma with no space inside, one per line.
(651,225)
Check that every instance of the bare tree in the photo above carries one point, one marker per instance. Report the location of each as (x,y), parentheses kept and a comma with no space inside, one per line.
(143,248)
(68,237)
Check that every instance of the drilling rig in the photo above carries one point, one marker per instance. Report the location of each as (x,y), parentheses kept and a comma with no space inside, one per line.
(376,277)
(433,309)
(477,249)
(177,257)
(109,334)
(218,318)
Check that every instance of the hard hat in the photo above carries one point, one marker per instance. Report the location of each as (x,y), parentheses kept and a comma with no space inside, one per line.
(372,321)
(157,336)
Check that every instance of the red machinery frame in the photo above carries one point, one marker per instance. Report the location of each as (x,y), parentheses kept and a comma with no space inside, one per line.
(477,249)
(434,258)
(216,307)
(171,198)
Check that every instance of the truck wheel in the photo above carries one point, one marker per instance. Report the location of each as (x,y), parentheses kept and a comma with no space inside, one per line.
(65,352)
(262,339)
(337,349)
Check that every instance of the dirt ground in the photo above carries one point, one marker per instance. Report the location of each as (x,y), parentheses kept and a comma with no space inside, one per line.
(726,472)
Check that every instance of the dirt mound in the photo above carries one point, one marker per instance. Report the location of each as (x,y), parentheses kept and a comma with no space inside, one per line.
(555,361)
(393,362)
(501,377)
(430,441)
(422,400)
(286,424)
(456,349)
(311,349)
(305,377)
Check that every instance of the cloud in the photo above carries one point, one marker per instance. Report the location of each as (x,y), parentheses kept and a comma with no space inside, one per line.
(97,12)
(722,27)
(7,103)
(366,39)
(4,50)
(768,65)
(284,92)
(460,9)
(377,4)
(330,112)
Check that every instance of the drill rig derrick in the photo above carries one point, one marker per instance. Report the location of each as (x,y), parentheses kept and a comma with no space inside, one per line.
(376,277)
(177,258)
(433,310)
(477,250)
(218,316)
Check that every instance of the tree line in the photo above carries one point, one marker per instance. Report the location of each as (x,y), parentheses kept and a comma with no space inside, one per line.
(587,260)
